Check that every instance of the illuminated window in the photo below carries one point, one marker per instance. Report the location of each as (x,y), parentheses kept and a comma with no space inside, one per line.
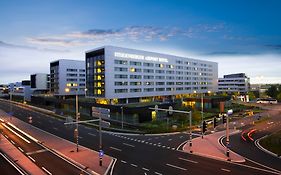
(99,84)
(99,77)
(132,69)
(99,91)
(98,70)
(99,63)
(161,65)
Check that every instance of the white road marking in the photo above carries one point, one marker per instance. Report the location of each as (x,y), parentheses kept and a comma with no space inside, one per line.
(163,146)
(134,165)
(173,148)
(91,134)
(174,166)
(46,170)
(168,147)
(170,139)
(145,169)
(36,152)
(225,170)
(187,160)
(129,145)
(181,137)
(31,158)
(158,173)
(15,133)
(123,161)
(13,142)
(55,128)
(20,149)
(117,149)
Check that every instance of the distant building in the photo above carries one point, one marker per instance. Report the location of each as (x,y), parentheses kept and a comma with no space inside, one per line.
(67,77)
(21,90)
(234,83)
(40,83)
(122,75)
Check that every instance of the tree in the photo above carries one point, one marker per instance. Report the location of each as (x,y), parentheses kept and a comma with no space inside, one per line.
(251,95)
(273,91)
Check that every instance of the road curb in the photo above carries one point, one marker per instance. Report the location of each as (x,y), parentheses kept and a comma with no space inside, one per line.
(257,143)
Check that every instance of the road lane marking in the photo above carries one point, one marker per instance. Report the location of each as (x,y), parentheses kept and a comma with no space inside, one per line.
(31,158)
(163,146)
(225,170)
(173,148)
(20,149)
(134,165)
(129,145)
(123,161)
(46,170)
(117,149)
(187,160)
(181,137)
(6,136)
(36,152)
(91,134)
(145,169)
(15,133)
(55,128)
(174,166)
(12,142)
(170,139)
(157,173)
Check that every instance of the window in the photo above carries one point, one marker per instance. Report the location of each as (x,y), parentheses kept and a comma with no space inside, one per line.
(179,83)
(71,75)
(81,79)
(159,65)
(121,83)
(170,83)
(135,83)
(160,83)
(81,70)
(148,64)
(160,77)
(179,88)
(178,62)
(124,62)
(135,90)
(71,79)
(149,83)
(160,89)
(170,66)
(148,89)
(170,72)
(120,76)
(121,90)
(71,70)
(148,77)
(148,70)
(135,76)
(82,75)
(135,63)
(160,71)
(121,69)
(170,77)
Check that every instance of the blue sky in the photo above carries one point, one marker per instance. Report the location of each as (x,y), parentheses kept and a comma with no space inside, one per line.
(242,36)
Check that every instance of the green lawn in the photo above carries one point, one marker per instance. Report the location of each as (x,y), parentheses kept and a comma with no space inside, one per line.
(272,143)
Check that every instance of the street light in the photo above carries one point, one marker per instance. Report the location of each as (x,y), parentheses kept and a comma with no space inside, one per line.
(85,92)
(67,90)
(122,115)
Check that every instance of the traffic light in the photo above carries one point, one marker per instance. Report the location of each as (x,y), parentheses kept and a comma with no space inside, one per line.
(204,126)
(215,122)
(223,118)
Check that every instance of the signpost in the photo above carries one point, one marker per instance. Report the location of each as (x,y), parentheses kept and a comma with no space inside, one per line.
(229,112)
(102,113)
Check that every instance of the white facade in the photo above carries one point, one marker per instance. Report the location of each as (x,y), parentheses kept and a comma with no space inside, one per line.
(39,81)
(234,83)
(22,89)
(67,77)
(115,72)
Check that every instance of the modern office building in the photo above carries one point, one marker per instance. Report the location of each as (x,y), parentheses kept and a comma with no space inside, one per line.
(234,83)
(40,83)
(21,90)
(67,77)
(122,75)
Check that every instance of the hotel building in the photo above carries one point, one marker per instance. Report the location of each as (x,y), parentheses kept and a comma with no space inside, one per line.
(67,77)
(122,75)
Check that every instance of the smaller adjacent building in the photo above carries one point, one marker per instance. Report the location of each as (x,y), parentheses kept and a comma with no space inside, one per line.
(40,83)
(67,77)
(20,90)
(234,83)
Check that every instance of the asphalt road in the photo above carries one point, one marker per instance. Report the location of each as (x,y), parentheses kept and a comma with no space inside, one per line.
(137,156)
(42,157)
(6,167)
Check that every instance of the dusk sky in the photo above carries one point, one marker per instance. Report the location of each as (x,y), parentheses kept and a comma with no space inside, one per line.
(242,36)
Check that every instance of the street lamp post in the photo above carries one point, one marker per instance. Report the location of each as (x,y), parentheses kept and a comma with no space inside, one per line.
(122,116)
(190,131)
(202,117)
(229,112)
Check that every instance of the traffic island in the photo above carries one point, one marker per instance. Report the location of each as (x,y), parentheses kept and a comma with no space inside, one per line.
(210,147)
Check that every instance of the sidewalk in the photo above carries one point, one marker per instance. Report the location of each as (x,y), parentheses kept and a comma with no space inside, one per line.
(86,158)
(18,157)
(209,146)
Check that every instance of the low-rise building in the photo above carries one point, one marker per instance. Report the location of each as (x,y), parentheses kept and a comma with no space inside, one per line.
(234,83)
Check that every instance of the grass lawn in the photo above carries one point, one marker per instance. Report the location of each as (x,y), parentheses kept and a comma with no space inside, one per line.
(272,143)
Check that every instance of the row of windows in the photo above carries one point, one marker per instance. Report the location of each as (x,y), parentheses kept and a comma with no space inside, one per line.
(75,79)
(170,66)
(75,75)
(154,89)
(75,70)
(132,69)
(151,83)
(124,76)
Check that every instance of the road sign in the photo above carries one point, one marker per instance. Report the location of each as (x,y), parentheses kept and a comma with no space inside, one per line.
(170,110)
(156,108)
(101,153)
(100,110)
(96,114)
(229,112)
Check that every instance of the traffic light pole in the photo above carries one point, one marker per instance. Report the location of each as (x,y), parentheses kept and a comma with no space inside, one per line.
(227,137)
(190,131)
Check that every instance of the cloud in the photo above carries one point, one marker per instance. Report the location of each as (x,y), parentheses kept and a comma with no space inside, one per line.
(15,46)
(131,33)
(228,53)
